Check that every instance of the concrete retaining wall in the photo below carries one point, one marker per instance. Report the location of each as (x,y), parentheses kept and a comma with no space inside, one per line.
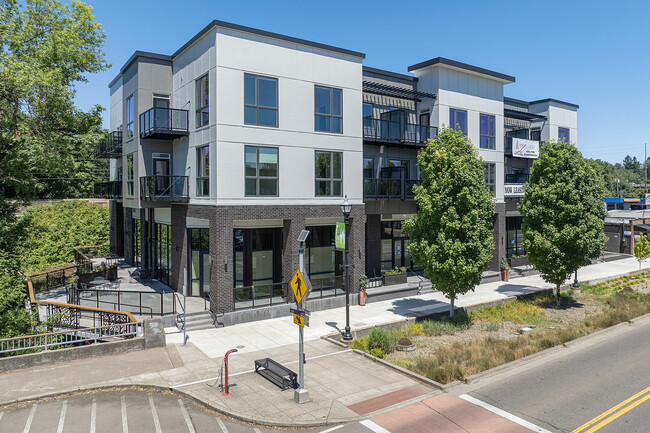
(153,336)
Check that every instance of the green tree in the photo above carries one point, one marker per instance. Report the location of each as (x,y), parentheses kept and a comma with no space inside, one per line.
(563,213)
(641,248)
(451,234)
(46,47)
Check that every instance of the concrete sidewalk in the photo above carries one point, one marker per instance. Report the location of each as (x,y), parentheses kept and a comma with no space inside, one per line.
(343,386)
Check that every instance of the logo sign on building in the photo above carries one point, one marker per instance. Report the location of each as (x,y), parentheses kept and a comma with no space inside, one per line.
(516,190)
(522,148)
(339,240)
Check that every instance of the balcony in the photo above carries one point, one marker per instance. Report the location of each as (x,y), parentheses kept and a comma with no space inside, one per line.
(164,188)
(110,146)
(389,189)
(517,178)
(522,148)
(386,131)
(110,190)
(164,123)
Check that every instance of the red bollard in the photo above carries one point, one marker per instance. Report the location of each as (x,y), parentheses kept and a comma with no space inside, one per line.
(226,390)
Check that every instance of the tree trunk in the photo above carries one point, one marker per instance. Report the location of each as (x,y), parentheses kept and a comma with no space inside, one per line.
(451,308)
(557,292)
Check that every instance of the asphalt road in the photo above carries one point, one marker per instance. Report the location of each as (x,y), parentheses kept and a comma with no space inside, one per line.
(568,390)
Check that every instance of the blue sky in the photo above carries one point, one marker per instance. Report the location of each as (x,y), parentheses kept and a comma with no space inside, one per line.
(592,53)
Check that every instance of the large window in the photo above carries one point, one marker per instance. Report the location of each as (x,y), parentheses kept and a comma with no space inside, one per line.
(328,107)
(199,240)
(203,171)
(260,100)
(329,173)
(368,167)
(563,134)
(129,117)
(458,120)
(164,252)
(261,171)
(514,246)
(129,174)
(202,101)
(487,131)
(490,177)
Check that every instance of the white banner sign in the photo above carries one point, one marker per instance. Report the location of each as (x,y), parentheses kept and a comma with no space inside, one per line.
(522,148)
(513,190)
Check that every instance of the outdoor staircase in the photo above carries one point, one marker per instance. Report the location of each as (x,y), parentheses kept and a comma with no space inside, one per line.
(196,321)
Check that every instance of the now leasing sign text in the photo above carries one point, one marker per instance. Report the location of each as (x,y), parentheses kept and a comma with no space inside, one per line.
(514,190)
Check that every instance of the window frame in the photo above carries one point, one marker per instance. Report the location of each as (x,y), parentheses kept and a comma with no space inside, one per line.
(203,171)
(202,112)
(331,179)
(257,105)
(257,176)
(130,175)
(129,105)
(491,138)
(568,134)
(331,116)
(453,125)
(491,169)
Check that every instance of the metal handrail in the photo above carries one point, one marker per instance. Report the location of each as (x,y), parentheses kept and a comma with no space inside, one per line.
(95,294)
(110,146)
(397,132)
(51,340)
(517,178)
(164,120)
(169,186)
(389,188)
(109,190)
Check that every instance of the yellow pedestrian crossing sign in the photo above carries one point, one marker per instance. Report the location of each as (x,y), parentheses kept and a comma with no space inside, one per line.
(299,320)
(299,286)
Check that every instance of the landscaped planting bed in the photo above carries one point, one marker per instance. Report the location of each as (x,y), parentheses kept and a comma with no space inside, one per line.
(455,348)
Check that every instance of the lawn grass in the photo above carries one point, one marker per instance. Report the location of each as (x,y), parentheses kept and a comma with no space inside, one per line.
(460,359)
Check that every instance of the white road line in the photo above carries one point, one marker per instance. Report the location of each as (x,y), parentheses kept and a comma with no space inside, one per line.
(256,430)
(93,416)
(252,371)
(372,426)
(186,415)
(30,418)
(332,429)
(154,414)
(222,425)
(64,408)
(1,413)
(504,414)
(125,423)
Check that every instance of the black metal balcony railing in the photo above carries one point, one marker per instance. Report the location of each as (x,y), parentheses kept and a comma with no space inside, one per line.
(507,148)
(395,132)
(110,146)
(164,188)
(111,190)
(389,189)
(164,123)
(517,178)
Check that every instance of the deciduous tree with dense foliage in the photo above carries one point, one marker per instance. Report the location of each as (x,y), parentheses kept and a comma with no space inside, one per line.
(563,213)
(46,48)
(451,235)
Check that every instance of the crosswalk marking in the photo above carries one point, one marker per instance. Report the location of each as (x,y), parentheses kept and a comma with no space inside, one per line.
(332,429)
(186,415)
(256,430)
(64,407)
(125,424)
(222,425)
(30,418)
(93,416)
(504,414)
(154,414)
(1,413)
(372,426)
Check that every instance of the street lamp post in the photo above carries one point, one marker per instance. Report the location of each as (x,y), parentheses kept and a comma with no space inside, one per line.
(617,180)
(346,208)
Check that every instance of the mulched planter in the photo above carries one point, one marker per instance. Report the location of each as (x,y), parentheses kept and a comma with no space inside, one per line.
(109,274)
(516,262)
(390,280)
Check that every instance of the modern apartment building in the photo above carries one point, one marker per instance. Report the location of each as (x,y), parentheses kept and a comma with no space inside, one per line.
(222,152)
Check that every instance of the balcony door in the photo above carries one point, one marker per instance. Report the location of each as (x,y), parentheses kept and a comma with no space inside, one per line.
(393,124)
(161,169)
(161,112)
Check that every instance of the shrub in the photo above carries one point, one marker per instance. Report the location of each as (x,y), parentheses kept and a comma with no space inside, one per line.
(382,339)
(377,352)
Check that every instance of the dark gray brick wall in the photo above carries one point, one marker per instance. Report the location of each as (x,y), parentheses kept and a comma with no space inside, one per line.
(373,245)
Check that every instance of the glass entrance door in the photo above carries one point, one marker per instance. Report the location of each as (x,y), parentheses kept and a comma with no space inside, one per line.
(199,262)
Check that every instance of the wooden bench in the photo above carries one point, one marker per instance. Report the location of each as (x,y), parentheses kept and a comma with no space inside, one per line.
(276,373)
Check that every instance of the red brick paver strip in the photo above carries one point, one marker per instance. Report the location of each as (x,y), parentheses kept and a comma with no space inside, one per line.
(389,399)
(416,418)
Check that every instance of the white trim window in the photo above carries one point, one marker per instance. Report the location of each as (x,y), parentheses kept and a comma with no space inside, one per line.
(129,117)
(328,109)
(490,177)
(328,173)
(260,100)
(203,171)
(202,101)
(487,130)
(261,167)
